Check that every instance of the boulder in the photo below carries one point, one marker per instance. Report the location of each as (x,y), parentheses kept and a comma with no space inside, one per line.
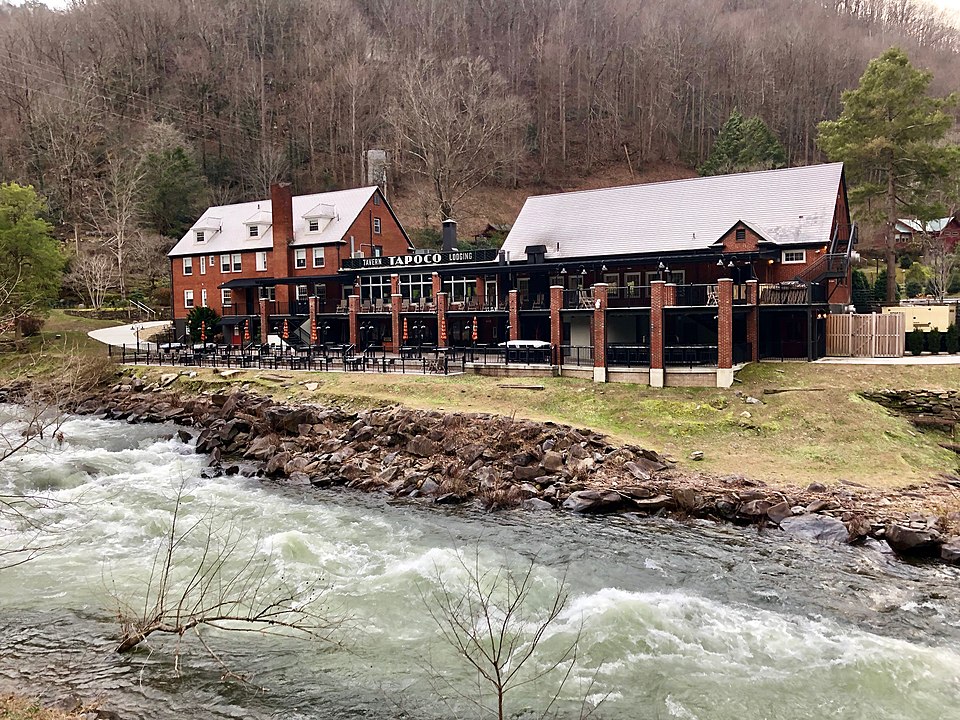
(526,473)
(276,464)
(423,446)
(593,501)
(820,528)
(635,470)
(779,512)
(536,505)
(950,551)
(429,487)
(658,502)
(552,461)
(184,436)
(913,542)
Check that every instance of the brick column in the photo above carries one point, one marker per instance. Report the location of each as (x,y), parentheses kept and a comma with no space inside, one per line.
(394,285)
(513,303)
(264,322)
(481,290)
(442,330)
(753,320)
(658,298)
(314,331)
(556,327)
(600,332)
(724,332)
(670,295)
(437,285)
(353,318)
(395,301)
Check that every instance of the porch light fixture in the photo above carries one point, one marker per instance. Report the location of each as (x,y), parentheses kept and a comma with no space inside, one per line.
(583,271)
(730,264)
(603,268)
(720,262)
(563,271)
(660,267)
(666,270)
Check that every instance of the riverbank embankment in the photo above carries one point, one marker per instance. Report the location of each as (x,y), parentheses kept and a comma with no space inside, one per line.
(497,461)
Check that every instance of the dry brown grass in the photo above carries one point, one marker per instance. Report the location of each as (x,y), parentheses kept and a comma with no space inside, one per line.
(15,707)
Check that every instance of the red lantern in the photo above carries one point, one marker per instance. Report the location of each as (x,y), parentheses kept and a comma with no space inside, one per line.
(286,330)
(474,334)
(405,336)
(203,331)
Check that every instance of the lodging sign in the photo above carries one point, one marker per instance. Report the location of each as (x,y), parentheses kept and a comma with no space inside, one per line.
(420,259)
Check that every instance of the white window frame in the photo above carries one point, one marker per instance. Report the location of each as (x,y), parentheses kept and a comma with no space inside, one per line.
(226,297)
(268,292)
(318,257)
(188,266)
(254,231)
(224,263)
(237,259)
(800,261)
(677,277)
(313,225)
(203,266)
(213,261)
(300,258)
(188,299)
(200,236)
(203,297)
(262,261)
(377,226)
(736,235)
(376,198)
(302,293)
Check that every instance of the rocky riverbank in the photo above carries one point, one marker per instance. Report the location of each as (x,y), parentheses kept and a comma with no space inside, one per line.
(500,462)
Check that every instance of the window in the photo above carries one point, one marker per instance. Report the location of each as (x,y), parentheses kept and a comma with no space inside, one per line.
(376,198)
(375,287)
(236,262)
(523,289)
(201,236)
(414,287)
(188,266)
(741,235)
(794,257)
(213,261)
(313,226)
(376,226)
(203,297)
(318,257)
(203,266)
(226,297)
(302,292)
(261,261)
(254,231)
(225,263)
(300,258)
(377,250)
(460,288)
(188,298)
(674,276)
(268,293)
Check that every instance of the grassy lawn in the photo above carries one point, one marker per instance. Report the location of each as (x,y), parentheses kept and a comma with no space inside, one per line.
(824,432)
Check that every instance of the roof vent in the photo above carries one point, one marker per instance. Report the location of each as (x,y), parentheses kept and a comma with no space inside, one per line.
(535,254)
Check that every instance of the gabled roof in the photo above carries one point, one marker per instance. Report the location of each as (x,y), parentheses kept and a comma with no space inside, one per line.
(763,234)
(794,206)
(234,220)
(931,226)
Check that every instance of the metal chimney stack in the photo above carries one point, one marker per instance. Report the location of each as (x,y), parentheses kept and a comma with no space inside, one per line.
(449,236)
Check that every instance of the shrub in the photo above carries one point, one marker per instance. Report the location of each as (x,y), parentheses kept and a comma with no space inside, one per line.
(862,293)
(199,319)
(933,341)
(30,325)
(914,288)
(905,261)
(915,342)
(952,339)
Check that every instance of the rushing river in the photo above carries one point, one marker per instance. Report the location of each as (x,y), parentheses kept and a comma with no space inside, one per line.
(691,621)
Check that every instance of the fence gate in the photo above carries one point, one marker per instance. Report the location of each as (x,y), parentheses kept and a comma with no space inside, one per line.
(866,335)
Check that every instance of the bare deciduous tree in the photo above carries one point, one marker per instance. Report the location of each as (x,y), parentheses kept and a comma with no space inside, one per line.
(92,275)
(460,121)
(220,583)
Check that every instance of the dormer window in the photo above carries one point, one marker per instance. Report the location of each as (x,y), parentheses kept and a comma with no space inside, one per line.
(201,236)
(741,235)
(254,231)
(313,225)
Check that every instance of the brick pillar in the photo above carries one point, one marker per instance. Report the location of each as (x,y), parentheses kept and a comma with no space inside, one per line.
(264,322)
(513,303)
(353,318)
(314,330)
(724,332)
(394,285)
(442,331)
(437,285)
(670,295)
(658,293)
(395,301)
(281,207)
(600,332)
(481,290)
(753,320)
(556,327)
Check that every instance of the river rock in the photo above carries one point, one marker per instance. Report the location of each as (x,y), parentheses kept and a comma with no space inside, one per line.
(429,487)
(779,512)
(653,504)
(276,463)
(950,551)
(913,542)
(184,435)
(552,461)
(593,501)
(820,528)
(423,447)
(526,473)
(634,469)
(536,504)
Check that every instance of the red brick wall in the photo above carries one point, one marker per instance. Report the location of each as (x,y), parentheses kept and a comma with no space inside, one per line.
(657,298)
(725,323)
(779,272)
(281,201)
(212,280)
(391,236)
(600,326)
(556,326)
(748,244)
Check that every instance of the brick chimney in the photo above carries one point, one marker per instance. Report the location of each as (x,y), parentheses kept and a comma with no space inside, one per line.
(281,201)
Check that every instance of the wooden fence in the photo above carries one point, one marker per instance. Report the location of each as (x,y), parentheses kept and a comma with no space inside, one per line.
(866,335)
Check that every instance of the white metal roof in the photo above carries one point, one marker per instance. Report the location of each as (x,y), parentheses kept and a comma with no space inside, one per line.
(932,226)
(233,220)
(793,206)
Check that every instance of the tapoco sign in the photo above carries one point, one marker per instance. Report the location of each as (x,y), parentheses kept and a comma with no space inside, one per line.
(430,258)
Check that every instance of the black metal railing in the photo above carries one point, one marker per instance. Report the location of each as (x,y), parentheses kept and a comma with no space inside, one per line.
(622,355)
(581,299)
(689,355)
(577,355)
(742,353)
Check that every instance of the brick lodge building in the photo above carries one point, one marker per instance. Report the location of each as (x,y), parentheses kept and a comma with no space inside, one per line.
(672,283)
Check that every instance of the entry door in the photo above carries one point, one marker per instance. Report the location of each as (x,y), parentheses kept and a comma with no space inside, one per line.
(490,293)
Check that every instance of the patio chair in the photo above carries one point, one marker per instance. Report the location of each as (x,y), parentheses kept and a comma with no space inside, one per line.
(365,306)
(342,307)
(378,305)
(405,305)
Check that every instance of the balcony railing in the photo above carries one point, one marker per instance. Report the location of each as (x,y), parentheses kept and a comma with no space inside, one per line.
(628,355)
(690,355)
(793,292)
(578,355)
(632,296)
(581,299)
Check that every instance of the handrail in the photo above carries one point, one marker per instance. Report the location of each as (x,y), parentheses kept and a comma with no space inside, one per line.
(150,312)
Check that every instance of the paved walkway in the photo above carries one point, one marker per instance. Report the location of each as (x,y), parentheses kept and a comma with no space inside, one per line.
(905,360)
(127,334)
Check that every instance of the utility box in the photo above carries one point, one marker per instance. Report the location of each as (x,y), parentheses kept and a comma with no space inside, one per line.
(925,317)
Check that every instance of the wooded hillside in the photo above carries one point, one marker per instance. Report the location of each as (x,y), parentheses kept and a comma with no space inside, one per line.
(265,89)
